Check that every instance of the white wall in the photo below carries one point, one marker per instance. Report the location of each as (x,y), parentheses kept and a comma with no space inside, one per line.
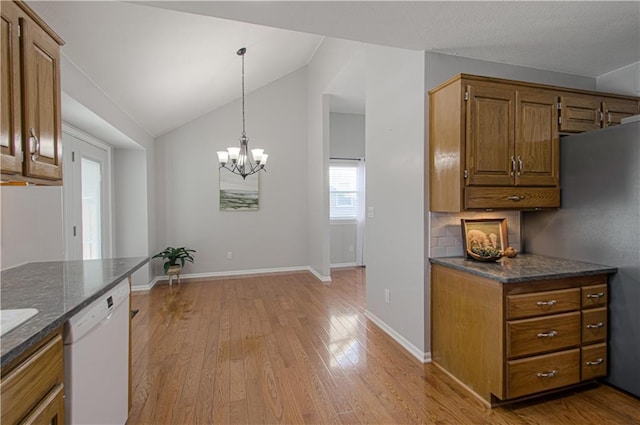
(440,233)
(346,141)
(130,208)
(347,135)
(329,59)
(395,189)
(31,225)
(187,186)
(625,80)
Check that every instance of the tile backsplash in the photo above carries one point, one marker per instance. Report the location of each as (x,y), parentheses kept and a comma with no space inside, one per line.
(446,235)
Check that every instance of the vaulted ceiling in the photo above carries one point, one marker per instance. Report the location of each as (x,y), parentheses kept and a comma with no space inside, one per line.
(167,63)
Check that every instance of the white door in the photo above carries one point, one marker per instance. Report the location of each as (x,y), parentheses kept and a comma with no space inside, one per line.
(86,198)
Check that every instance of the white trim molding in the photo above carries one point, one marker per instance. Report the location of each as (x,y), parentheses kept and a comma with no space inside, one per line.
(309,269)
(422,356)
(341,265)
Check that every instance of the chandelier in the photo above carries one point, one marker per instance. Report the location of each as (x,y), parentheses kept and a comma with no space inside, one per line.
(238,160)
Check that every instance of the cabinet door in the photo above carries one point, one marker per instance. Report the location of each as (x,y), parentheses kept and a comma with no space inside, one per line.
(42,121)
(537,145)
(616,109)
(490,159)
(50,411)
(10,117)
(580,113)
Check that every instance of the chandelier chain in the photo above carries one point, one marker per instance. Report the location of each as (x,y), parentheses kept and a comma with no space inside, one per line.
(243,129)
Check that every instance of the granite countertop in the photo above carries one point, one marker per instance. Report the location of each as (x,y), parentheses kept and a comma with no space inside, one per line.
(524,267)
(58,289)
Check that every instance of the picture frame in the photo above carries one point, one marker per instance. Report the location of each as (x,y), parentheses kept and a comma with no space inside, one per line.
(484,232)
(238,194)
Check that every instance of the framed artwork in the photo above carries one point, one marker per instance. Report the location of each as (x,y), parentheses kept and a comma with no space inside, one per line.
(486,232)
(238,194)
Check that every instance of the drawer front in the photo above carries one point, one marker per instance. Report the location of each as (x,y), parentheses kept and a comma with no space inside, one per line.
(594,361)
(511,197)
(542,373)
(542,303)
(543,334)
(594,296)
(30,382)
(594,325)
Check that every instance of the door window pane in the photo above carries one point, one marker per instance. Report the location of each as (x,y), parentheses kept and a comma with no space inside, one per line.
(91,207)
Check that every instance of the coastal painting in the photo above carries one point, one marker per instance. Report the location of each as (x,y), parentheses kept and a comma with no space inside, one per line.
(238,194)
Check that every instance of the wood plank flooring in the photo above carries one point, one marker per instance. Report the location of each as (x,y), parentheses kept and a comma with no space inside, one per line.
(288,349)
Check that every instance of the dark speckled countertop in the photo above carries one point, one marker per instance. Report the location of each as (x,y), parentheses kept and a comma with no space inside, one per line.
(58,289)
(524,267)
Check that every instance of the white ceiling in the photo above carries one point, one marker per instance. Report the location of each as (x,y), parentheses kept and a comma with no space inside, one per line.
(165,67)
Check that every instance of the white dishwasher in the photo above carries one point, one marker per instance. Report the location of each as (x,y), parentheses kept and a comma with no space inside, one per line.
(96,366)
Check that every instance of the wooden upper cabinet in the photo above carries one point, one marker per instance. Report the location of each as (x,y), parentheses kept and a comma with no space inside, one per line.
(537,146)
(495,143)
(42,123)
(580,113)
(490,135)
(31,124)
(616,109)
(10,108)
(585,112)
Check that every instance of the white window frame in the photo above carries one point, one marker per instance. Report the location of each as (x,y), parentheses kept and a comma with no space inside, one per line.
(348,163)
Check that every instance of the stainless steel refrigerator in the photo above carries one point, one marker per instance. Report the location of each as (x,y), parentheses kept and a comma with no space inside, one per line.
(599,222)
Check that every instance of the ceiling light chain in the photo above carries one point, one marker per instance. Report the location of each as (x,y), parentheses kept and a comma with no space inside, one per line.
(241,161)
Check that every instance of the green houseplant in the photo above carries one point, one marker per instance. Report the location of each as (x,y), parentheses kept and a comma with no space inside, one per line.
(173,256)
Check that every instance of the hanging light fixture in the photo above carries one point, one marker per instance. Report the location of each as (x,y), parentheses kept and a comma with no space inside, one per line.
(238,160)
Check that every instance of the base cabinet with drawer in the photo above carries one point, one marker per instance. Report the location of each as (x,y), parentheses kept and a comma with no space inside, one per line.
(513,340)
(32,387)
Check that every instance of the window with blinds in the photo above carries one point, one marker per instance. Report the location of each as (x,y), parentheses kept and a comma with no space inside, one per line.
(343,190)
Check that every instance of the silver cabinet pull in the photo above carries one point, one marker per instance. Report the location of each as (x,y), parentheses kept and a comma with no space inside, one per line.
(548,334)
(608,117)
(34,145)
(515,198)
(520,166)
(595,362)
(595,325)
(513,166)
(547,303)
(598,295)
(549,374)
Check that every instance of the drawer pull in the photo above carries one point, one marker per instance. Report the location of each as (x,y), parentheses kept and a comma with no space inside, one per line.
(595,325)
(549,374)
(547,334)
(598,295)
(595,362)
(547,303)
(515,198)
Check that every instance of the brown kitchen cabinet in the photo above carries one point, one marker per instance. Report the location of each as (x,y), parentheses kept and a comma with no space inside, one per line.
(586,112)
(493,145)
(506,341)
(31,123)
(32,387)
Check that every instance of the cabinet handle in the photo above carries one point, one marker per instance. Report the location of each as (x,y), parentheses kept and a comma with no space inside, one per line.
(34,145)
(515,198)
(595,362)
(513,166)
(520,165)
(598,295)
(548,303)
(548,334)
(608,117)
(601,116)
(549,374)
(595,325)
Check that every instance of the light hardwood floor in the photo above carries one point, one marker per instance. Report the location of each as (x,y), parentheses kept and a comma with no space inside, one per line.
(288,349)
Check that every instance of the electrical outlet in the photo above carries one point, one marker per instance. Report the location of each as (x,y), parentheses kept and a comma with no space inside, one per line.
(350,248)
(387,296)
(229,255)
(371,212)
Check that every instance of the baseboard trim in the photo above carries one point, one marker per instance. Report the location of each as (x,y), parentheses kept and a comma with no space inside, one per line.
(340,265)
(422,356)
(232,273)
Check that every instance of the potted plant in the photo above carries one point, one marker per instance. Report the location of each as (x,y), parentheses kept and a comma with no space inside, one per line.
(173,256)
